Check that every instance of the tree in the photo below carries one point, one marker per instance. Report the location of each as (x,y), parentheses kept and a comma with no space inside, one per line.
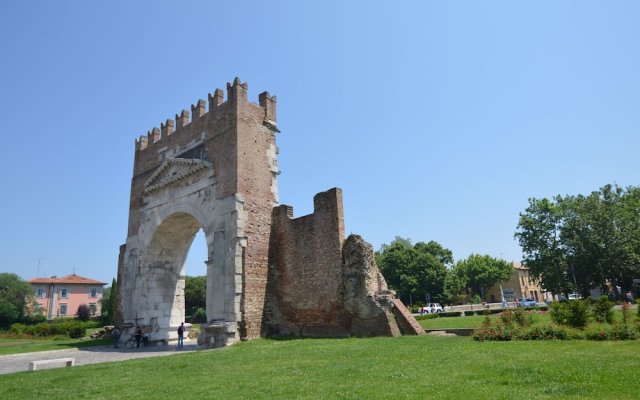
(15,295)
(539,236)
(575,243)
(415,272)
(84,312)
(455,285)
(108,304)
(195,294)
(480,272)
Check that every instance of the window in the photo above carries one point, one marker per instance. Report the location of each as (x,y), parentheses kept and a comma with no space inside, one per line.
(63,309)
(93,292)
(64,293)
(92,308)
(40,293)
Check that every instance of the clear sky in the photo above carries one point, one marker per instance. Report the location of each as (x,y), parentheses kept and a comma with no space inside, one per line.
(438,119)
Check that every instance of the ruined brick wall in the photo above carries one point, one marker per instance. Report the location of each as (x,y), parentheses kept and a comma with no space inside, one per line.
(320,285)
(307,255)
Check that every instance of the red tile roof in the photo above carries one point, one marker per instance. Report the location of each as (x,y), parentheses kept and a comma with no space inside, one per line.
(69,279)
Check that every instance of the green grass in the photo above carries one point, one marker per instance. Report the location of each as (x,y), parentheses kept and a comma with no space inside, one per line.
(475,321)
(15,346)
(9,344)
(375,368)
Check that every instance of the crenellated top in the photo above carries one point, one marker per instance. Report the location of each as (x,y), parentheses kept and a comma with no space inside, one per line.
(236,94)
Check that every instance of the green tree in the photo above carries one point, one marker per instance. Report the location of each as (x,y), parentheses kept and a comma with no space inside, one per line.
(84,312)
(455,286)
(543,251)
(195,294)
(416,272)
(108,304)
(480,272)
(15,295)
(580,242)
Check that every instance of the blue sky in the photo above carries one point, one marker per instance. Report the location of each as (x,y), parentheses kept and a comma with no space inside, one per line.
(437,119)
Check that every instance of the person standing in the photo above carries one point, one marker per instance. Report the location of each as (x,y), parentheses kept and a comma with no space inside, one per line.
(629,297)
(181,335)
(138,337)
(116,337)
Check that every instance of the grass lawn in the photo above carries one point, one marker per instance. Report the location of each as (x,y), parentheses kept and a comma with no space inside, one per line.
(10,345)
(15,346)
(475,321)
(409,367)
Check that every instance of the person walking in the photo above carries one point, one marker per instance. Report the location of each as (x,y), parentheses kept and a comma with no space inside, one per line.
(181,335)
(116,337)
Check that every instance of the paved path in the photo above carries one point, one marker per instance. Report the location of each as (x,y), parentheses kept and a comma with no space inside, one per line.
(88,355)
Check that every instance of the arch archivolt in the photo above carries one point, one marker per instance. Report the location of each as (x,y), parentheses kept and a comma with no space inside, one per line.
(155,256)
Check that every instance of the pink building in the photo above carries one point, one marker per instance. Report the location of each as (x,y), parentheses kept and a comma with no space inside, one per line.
(60,297)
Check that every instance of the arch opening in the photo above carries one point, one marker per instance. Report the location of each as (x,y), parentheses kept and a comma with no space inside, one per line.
(162,300)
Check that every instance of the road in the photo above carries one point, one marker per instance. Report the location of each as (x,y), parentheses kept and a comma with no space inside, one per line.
(89,355)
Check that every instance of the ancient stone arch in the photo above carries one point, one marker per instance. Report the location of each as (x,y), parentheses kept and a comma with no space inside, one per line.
(267,272)
(216,171)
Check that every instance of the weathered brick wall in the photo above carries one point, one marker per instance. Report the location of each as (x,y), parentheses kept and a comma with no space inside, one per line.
(308,269)
(256,171)
(321,285)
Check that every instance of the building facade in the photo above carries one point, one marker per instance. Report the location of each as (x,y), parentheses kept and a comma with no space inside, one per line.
(520,285)
(60,297)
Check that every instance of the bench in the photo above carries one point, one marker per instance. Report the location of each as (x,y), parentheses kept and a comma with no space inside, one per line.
(69,362)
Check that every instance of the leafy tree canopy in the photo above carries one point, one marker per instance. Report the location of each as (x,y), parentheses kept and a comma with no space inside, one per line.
(15,295)
(481,272)
(580,242)
(195,294)
(416,272)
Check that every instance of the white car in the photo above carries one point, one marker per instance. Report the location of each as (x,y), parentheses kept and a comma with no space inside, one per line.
(431,308)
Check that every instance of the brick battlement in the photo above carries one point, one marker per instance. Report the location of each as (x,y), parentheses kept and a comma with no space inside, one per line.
(236,96)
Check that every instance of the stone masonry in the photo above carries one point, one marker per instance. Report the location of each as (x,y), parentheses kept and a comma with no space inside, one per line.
(267,273)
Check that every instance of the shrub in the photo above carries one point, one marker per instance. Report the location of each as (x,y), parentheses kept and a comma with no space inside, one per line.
(450,314)
(573,313)
(545,332)
(199,316)
(603,310)
(626,314)
(469,313)
(599,332)
(495,332)
(493,311)
(70,328)
(520,317)
(623,332)
(426,316)
(507,317)
(84,312)
(616,331)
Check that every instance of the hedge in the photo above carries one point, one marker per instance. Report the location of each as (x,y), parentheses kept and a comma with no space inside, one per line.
(71,328)
(450,314)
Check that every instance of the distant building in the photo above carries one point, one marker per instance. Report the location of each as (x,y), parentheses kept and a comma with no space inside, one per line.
(518,286)
(60,297)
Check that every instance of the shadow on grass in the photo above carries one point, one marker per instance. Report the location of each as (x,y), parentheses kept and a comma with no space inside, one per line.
(88,343)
